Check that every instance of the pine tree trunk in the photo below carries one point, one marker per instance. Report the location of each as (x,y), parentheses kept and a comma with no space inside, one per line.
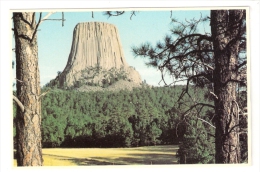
(28,127)
(225,28)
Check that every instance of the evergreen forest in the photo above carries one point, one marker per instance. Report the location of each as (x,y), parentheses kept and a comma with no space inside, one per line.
(142,117)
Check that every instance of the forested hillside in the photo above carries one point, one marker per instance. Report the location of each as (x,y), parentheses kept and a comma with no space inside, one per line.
(144,116)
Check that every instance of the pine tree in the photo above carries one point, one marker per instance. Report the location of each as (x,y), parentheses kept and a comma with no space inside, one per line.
(214,61)
(196,147)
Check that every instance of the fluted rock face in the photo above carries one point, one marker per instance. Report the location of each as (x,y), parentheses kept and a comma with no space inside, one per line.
(95,50)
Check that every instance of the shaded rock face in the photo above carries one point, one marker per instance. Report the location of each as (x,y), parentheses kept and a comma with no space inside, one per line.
(95,50)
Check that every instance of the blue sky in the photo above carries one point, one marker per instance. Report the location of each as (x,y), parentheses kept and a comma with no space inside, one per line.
(54,41)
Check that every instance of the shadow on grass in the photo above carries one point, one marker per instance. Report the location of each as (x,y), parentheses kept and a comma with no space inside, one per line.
(84,161)
(162,149)
(151,155)
(89,161)
(128,159)
(142,159)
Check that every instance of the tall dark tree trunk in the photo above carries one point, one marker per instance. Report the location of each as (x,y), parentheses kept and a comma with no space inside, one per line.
(226,31)
(28,127)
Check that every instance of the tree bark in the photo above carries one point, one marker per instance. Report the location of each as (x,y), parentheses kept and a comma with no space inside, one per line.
(226,31)
(28,124)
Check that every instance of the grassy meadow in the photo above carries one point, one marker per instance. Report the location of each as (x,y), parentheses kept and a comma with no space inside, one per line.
(146,155)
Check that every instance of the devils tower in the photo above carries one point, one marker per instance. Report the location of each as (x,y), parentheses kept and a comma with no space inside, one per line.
(96,58)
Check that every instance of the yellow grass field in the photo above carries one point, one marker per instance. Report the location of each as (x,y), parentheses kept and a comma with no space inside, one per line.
(147,155)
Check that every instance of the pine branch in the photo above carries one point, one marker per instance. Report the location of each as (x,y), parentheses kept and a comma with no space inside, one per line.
(18,103)
(185,37)
(114,13)
(185,55)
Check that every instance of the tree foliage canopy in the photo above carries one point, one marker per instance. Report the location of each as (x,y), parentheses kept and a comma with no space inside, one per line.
(144,116)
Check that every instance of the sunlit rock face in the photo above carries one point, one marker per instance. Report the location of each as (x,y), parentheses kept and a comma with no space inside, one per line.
(96,52)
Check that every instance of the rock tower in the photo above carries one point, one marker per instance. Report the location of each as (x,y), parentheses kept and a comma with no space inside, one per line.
(96,57)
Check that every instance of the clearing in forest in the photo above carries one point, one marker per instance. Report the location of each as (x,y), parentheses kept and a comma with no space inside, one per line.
(147,155)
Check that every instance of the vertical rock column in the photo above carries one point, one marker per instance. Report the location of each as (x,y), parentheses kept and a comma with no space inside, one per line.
(93,44)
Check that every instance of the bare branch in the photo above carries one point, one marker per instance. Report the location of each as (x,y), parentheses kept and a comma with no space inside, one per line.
(238,109)
(18,103)
(207,122)
(198,104)
(18,80)
(132,13)
(200,63)
(37,25)
(63,19)
(43,94)
(242,64)
(33,16)
(46,17)
(232,128)
(188,82)
(243,111)
(162,76)
(213,94)
(211,135)
(24,20)
(243,132)
(55,19)
(242,76)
